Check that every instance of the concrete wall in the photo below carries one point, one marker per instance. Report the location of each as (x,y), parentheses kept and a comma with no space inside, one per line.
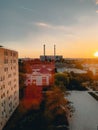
(9,84)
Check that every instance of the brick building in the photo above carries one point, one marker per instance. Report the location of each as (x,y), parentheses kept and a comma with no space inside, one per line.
(42,74)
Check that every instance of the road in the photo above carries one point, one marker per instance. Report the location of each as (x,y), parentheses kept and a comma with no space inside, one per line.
(85,116)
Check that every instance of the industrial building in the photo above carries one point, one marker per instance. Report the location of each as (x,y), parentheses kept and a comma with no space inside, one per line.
(9,85)
(53,57)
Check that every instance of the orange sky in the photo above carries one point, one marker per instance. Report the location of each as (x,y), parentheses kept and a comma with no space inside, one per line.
(72,25)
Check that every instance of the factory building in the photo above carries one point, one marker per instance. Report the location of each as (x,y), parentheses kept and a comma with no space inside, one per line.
(53,57)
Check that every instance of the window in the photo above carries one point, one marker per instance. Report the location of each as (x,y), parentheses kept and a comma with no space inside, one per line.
(14,54)
(6,69)
(14,61)
(5,61)
(9,75)
(11,53)
(5,52)
(7,91)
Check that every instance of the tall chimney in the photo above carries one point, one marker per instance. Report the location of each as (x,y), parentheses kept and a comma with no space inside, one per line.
(44,49)
(54,50)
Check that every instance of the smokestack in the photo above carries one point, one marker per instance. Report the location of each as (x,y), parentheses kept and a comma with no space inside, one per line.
(44,50)
(54,50)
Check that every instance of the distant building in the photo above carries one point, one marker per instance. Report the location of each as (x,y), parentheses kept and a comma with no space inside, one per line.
(94,70)
(77,71)
(9,87)
(91,67)
(51,58)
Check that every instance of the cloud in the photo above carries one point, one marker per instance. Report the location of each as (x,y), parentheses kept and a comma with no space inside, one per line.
(28,9)
(54,27)
(45,25)
(96,11)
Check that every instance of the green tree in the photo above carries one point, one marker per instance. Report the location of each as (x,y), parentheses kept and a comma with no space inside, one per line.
(61,80)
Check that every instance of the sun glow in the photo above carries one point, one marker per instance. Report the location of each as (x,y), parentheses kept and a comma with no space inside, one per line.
(96,54)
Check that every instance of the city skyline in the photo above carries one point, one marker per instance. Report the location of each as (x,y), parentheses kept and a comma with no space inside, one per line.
(71,25)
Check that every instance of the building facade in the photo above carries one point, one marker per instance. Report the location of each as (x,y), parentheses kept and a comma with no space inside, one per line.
(9,85)
(42,74)
(51,57)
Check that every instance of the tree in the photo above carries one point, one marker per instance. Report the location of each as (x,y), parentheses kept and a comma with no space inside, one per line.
(78,66)
(61,80)
(56,103)
(27,67)
(24,67)
(22,78)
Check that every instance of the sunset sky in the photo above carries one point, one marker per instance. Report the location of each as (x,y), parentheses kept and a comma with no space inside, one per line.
(72,25)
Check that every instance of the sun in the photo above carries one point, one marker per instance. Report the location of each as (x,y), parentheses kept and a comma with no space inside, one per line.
(96,54)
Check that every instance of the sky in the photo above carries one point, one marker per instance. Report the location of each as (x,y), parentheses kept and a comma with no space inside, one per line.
(72,25)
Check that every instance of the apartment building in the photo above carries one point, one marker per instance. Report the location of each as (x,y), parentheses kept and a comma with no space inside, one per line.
(9,87)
